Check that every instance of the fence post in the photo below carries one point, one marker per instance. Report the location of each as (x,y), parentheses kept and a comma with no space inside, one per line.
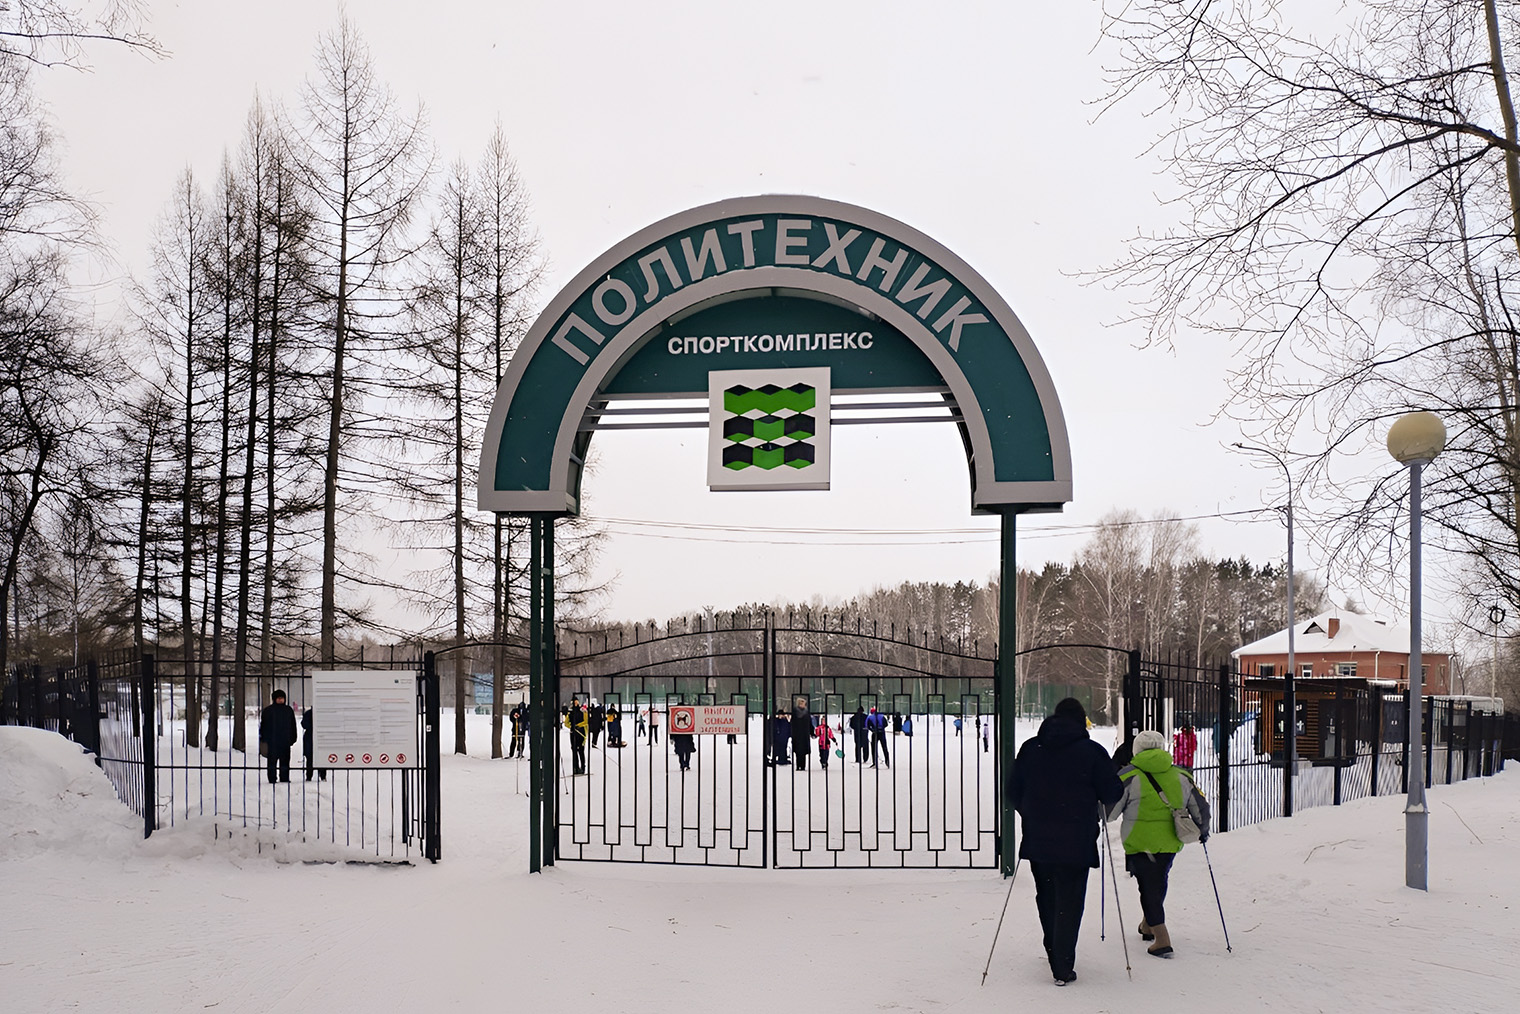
(1377,734)
(1226,714)
(39,714)
(1451,735)
(1340,744)
(92,675)
(1410,717)
(432,848)
(146,694)
(1132,701)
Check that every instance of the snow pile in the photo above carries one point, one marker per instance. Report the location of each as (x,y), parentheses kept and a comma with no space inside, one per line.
(54,799)
(1318,915)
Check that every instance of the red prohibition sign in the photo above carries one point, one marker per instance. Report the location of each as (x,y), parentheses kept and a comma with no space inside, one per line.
(385,759)
(366,758)
(401,758)
(348,758)
(332,758)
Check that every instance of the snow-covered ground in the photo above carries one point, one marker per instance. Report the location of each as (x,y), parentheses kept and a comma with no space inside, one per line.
(94,918)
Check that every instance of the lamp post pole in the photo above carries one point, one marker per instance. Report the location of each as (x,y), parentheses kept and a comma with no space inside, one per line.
(1290,698)
(1415,440)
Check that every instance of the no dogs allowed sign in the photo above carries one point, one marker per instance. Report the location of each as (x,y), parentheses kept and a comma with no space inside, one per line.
(707,719)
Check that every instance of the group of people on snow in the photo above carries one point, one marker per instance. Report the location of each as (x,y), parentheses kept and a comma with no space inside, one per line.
(1063,786)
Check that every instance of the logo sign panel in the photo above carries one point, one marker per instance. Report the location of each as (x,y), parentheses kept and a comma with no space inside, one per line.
(708,719)
(364,718)
(768,429)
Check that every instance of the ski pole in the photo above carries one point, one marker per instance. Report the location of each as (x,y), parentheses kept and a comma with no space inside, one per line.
(1000,919)
(1222,926)
(1118,911)
(1102,899)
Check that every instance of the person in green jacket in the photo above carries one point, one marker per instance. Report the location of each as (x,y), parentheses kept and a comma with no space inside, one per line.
(1150,837)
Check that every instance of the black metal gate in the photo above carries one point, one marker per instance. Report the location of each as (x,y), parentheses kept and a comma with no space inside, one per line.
(921,792)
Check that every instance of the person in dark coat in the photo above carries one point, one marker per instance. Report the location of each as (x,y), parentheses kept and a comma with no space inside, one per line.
(306,746)
(1059,779)
(781,735)
(614,726)
(277,734)
(683,743)
(802,732)
(876,724)
(596,719)
(519,726)
(575,721)
(862,737)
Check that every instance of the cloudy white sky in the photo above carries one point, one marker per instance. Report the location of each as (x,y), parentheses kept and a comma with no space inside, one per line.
(976,123)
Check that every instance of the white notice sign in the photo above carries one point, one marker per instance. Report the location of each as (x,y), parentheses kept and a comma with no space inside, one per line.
(707,719)
(364,718)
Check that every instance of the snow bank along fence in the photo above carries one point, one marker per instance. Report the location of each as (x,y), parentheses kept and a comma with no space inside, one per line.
(1350,733)
(180,748)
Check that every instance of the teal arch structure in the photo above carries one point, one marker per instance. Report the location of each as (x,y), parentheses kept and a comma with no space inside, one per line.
(637,321)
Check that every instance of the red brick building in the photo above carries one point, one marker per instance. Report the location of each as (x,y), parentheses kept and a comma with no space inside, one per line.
(1345,645)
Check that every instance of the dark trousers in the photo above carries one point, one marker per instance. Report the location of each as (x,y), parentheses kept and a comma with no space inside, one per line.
(879,738)
(279,759)
(1150,872)
(577,753)
(800,752)
(1060,891)
(862,748)
(321,772)
(823,755)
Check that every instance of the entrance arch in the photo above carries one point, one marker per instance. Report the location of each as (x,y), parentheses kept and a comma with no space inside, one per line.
(795,282)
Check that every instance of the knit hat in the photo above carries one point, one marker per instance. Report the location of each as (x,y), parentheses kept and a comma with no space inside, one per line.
(1070,707)
(1150,739)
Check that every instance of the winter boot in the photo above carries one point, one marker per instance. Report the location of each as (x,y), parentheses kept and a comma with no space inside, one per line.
(1145,931)
(1162,948)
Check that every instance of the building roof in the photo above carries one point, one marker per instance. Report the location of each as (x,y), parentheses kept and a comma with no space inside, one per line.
(1357,632)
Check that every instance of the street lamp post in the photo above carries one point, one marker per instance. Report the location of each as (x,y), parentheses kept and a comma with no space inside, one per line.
(1290,698)
(1415,440)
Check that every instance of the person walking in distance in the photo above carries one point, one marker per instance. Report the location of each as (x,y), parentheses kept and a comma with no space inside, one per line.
(515,716)
(596,718)
(862,735)
(876,722)
(654,726)
(306,747)
(1059,779)
(575,721)
(614,726)
(802,732)
(1153,788)
(1184,746)
(277,734)
(825,742)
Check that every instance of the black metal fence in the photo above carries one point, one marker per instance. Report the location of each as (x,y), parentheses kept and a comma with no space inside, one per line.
(182,745)
(1229,727)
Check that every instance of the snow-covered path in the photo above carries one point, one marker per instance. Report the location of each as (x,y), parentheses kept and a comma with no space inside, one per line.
(97,919)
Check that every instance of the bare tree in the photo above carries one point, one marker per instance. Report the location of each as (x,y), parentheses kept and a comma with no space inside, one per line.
(363,165)
(1351,222)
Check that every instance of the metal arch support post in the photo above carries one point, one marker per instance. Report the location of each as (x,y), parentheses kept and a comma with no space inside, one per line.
(1007,685)
(548,666)
(537,704)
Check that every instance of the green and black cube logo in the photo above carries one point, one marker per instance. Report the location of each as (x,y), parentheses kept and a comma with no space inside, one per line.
(769,429)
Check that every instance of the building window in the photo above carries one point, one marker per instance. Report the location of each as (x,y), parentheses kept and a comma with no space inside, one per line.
(1345,668)
(1266,669)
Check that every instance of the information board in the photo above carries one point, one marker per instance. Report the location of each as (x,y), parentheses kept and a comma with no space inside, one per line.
(364,718)
(707,719)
